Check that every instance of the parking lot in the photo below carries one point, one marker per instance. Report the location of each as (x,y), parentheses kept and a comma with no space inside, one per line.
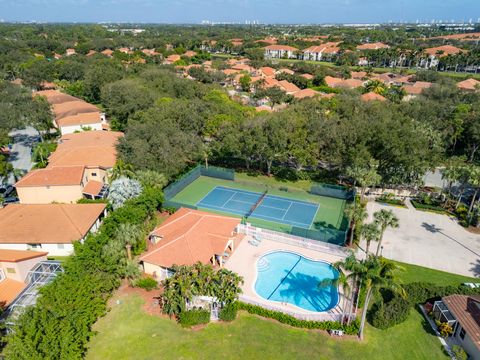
(431,240)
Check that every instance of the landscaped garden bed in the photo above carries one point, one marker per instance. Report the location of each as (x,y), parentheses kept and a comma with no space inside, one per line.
(389,199)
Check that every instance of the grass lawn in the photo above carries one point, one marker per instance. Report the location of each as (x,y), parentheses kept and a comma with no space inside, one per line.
(127,332)
(415,273)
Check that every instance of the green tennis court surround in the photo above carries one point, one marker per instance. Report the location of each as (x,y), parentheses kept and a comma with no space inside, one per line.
(282,208)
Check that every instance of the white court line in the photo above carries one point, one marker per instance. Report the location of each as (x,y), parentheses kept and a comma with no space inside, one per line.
(225,203)
(314,216)
(265,217)
(286,211)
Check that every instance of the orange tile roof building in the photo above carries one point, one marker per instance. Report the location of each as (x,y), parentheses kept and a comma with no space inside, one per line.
(187,237)
(280,51)
(51,228)
(319,52)
(462,313)
(373,46)
(371,96)
(14,268)
(469,85)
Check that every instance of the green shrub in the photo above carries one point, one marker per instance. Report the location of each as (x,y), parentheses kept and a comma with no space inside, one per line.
(290,320)
(389,198)
(194,317)
(146,283)
(434,208)
(229,312)
(387,314)
(459,353)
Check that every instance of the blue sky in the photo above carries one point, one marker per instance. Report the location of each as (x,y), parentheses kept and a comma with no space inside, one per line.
(266,11)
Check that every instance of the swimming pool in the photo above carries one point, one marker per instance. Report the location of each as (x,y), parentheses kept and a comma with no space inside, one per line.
(288,277)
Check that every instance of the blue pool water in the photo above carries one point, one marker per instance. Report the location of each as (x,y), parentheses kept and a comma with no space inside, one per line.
(288,277)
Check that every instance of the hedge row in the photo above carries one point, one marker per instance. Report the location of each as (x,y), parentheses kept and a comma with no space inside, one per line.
(290,320)
(194,317)
(229,312)
(393,309)
(59,325)
(433,208)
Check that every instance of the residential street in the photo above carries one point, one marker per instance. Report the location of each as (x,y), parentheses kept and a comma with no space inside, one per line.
(20,156)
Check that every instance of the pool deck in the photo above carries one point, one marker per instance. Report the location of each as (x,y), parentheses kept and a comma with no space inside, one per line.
(243,262)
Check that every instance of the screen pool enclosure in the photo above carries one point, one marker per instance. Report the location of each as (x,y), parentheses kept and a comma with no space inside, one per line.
(260,206)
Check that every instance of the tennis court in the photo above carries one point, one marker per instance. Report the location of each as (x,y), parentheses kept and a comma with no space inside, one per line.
(260,206)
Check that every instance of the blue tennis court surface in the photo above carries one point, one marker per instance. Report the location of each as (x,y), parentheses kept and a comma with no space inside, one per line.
(271,208)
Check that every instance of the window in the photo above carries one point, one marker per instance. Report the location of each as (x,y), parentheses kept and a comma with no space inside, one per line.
(34,246)
(94,174)
(11,270)
(462,333)
(60,246)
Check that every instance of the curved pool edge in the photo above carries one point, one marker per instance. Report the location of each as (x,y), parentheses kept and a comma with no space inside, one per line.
(290,304)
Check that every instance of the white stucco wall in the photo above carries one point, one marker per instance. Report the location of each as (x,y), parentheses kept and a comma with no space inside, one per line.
(52,249)
(72,128)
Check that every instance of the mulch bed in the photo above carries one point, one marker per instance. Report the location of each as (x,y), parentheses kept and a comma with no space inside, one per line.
(151,303)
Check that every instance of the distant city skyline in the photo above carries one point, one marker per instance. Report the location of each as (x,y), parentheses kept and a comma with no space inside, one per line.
(240,11)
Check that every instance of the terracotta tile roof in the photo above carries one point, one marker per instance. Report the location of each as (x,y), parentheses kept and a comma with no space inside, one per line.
(288,86)
(173,58)
(243,67)
(19,255)
(423,84)
(80,119)
(281,48)
(358,74)
(190,53)
(107,52)
(351,83)
(444,50)
(53,176)
(150,52)
(55,96)
(190,236)
(305,93)
(88,148)
(92,188)
(47,223)
(230,71)
(372,46)
(371,96)
(69,108)
(267,71)
(271,41)
(10,289)
(466,310)
(332,81)
(91,52)
(307,76)
(469,84)
(286,71)
(270,82)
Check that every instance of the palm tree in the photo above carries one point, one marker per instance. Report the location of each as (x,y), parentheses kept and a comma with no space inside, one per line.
(375,274)
(355,213)
(384,218)
(370,232)
(121,169)
(151,179)
(129,235)
(474,180)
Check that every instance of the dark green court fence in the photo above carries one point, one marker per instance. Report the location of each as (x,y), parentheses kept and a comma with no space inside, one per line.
(331,236)
(335,191)
(216,172)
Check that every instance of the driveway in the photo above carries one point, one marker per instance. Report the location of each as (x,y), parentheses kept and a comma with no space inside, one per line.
(20,156)
(430,240)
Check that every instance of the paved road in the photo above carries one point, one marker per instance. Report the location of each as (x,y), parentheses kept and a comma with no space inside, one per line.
(20,156)
(430,240)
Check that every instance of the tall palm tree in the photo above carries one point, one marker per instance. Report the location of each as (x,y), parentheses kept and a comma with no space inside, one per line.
(370,232)
(384,218)
(355,213)
(375,274)
(474,180)
(121,168)
(129,235)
